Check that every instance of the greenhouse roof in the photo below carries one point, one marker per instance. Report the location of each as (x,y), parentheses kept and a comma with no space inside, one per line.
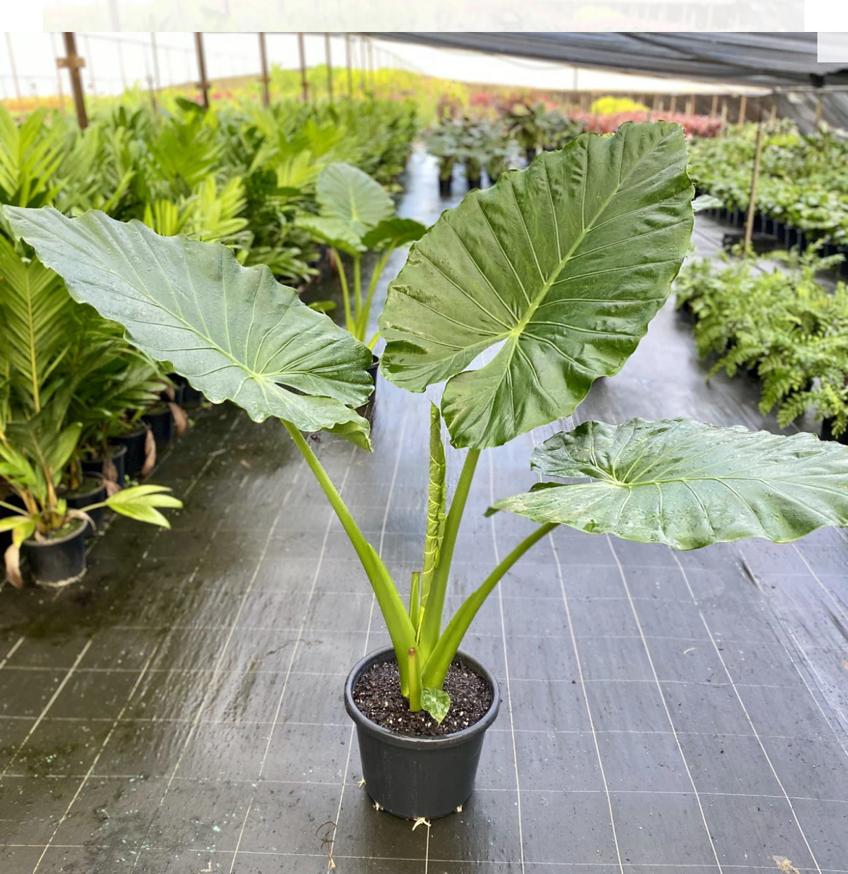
(769,60)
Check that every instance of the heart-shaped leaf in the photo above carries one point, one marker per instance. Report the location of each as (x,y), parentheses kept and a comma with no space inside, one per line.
(561,266)
(234,332)
(346,193)
(687,484)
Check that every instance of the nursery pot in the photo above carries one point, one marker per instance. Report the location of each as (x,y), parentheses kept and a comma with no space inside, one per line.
(188,396)
(161,423)
(135,446)
(445,186)
(826,432)
(59,561)
(91,491)
(118,457)
(474,182)
(418,776)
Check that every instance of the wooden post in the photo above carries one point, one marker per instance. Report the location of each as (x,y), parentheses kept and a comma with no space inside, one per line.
(304,81)
(263,70)
(743,106)
(673,106)
(714,106)
(752,197)
(655,103)
(203,84)
(773,116)
(73,62)
(329,55)
(819,109)
(349,66)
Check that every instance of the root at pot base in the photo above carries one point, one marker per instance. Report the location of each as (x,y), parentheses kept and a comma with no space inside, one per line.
(377,695)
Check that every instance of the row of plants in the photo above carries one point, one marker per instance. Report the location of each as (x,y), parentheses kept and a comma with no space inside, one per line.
(558,274)
(81,409)
(803,178)
(492,146)
(778,323)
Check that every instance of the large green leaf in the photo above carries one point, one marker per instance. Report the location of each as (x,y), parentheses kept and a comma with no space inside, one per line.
(687,484)
(232,331)
(346,193)
(562,265)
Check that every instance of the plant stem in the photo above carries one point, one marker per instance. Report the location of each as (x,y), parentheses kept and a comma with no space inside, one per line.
(392,607)
(357,291)
(432,622)
(414,668)
(369,297)
(443,654)
(349,324)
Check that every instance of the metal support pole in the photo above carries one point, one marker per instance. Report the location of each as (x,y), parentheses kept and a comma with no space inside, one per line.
(743,106)
(819,109)
(304,81)
(673,104)
(263,67)
(73,63)
(203,84)
(157,79)
(13,65)
(752,197)
(371,67)
(349,65)
(714,106)
(329,56)
(60,88)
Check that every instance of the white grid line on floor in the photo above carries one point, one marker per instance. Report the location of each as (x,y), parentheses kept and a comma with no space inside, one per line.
(506,666)
(718,652)
(713,847)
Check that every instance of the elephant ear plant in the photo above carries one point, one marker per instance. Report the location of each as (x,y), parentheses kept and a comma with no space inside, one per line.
(355,217)
(551,277)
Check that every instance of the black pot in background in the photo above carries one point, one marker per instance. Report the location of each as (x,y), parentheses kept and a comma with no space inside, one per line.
(92,491)
(95,466)
(445,187)
(367,409)
(411,776)
(826,432)
(188,395)
(6,536)
(474,182)
(178,389)
(529,154)
(135,446)
(57,563)
(161,422)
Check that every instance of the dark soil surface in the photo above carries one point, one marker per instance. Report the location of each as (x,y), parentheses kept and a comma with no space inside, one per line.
(377,695)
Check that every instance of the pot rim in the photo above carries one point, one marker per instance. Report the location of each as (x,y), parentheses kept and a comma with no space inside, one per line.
(32,543)
(96,485)
(116,450)
(408,741)
(130,435)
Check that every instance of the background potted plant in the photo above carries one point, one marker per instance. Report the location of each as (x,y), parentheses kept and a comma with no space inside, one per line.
(356,216)
(46,531)
(555,273)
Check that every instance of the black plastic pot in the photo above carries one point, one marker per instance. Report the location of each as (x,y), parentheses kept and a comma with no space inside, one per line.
(95,466)
(367,409)
(161,422)
(474,182)
(92,491)
(135,446)
(826,432)
(188,395)
(445,187)
(411,776)
(59,562)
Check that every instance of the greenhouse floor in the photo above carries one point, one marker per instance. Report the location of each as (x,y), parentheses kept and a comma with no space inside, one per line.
(181,710)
